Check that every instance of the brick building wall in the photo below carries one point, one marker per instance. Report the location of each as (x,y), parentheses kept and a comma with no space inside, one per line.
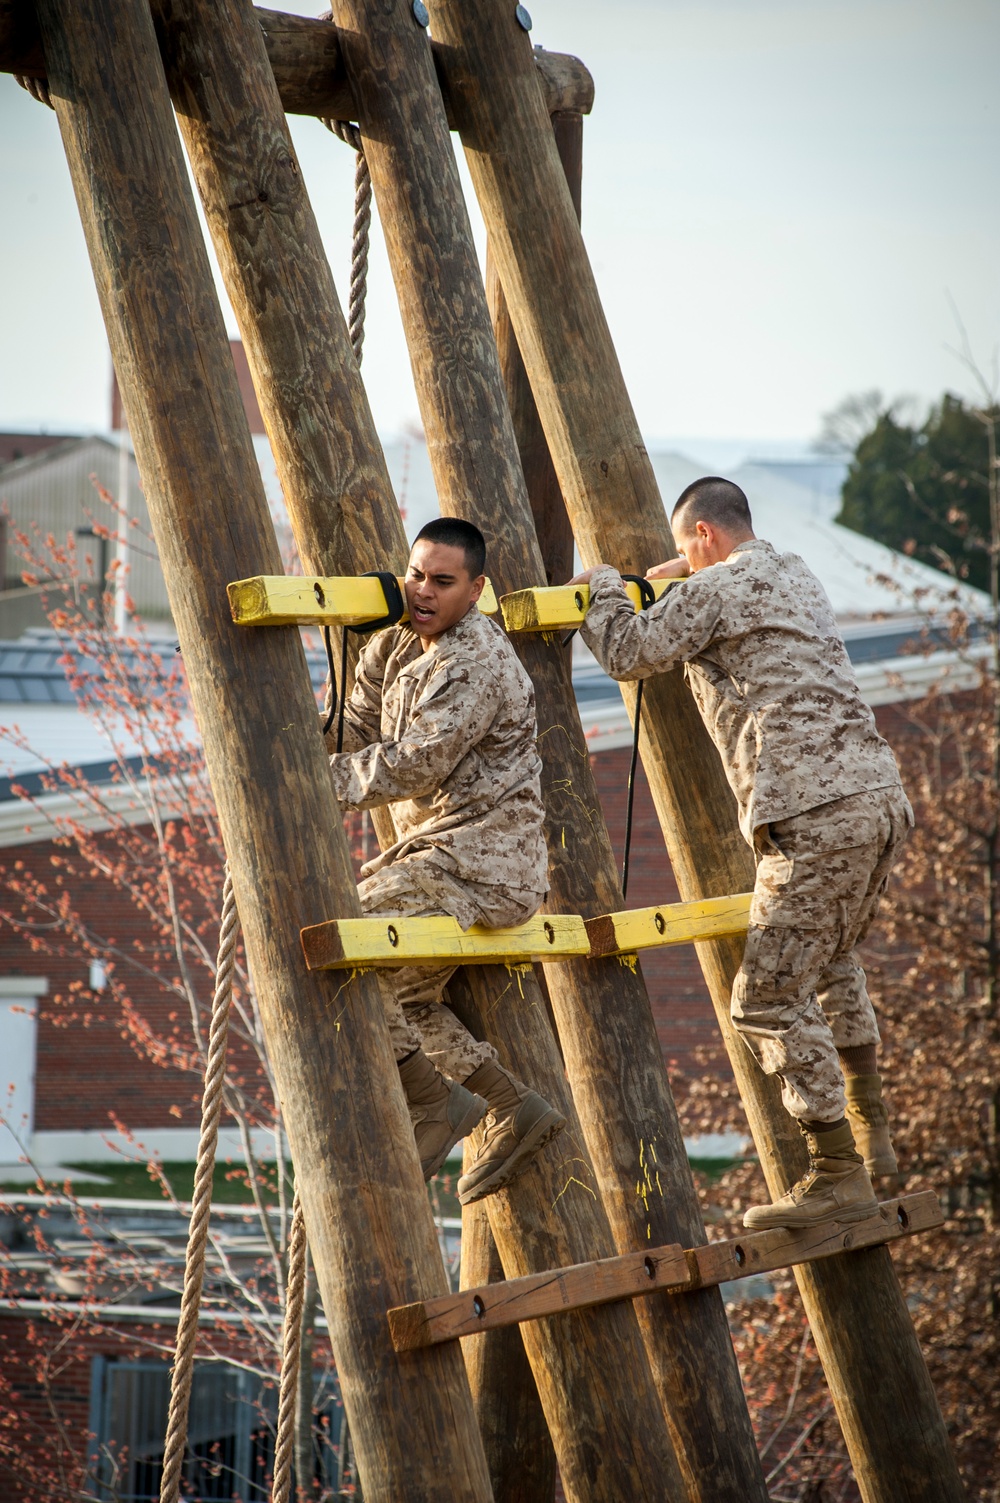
(86,1068)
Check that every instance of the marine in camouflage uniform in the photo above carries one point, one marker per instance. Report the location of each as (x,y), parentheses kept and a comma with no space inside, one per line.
(819,796)
(447,739)
(440,727)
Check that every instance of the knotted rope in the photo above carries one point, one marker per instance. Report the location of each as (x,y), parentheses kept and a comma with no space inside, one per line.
(38,88)
(291,1347)
(360,234)
(182,1372)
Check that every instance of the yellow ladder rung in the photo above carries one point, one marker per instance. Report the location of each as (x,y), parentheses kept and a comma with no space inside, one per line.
(311,600)
(559,607)
(669,924)
(354,943)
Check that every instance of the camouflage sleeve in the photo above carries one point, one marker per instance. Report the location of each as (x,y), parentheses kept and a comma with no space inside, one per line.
(632,644)
(450,717)
(363,715)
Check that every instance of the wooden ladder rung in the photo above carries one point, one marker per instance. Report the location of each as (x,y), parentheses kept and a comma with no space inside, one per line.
(357,943)
(669,924)
(633,1275)
(559,607)
(312,600)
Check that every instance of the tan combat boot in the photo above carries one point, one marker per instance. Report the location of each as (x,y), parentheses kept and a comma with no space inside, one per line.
(520,1122)
(836,1188)
(441,1112)
(870,1123)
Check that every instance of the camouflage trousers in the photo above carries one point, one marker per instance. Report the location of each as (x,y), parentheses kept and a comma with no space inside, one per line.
(800,994)
(418,1019)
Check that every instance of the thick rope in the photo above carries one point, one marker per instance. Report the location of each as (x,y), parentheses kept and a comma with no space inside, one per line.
(38,88)
(182,1372)
(295,1289)
(361,233)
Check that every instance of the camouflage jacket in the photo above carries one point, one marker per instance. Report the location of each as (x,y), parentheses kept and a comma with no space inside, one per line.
(769,672)
(447,737)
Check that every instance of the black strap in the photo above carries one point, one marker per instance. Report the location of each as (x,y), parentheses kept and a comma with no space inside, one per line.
(396,609)
(647,597)
(394,599)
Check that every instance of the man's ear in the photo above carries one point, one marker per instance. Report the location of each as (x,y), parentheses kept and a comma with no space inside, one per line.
(478,586)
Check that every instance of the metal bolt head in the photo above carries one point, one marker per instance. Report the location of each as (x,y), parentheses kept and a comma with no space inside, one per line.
(420,13)
(523,18)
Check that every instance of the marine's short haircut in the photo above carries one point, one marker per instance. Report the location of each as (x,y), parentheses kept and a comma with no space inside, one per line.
(454,533)
(713,500)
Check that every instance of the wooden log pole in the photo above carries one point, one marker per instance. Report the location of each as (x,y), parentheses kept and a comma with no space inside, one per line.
(878,1379)
(599,1401)
(368,1218)
(552,523)
(519,1452)
(611,1051)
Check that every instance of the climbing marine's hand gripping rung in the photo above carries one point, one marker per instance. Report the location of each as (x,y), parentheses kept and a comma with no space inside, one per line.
(560,607)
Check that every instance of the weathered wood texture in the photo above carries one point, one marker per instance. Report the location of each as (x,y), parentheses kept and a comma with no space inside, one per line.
(366,1209)
(305,56)
(516,1439)
(552,524)
(490,1307)
(345,519)
(609,1040)
(884,1398)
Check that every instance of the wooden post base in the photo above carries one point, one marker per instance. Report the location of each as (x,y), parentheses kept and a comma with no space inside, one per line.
(633,1275)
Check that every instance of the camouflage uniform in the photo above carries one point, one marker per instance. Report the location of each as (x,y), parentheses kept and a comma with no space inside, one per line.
(818,790)
(447,738)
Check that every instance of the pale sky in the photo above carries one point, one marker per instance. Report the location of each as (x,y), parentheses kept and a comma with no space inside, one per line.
(780,198)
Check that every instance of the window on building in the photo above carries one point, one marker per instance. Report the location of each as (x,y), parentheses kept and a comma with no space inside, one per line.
(230,1433)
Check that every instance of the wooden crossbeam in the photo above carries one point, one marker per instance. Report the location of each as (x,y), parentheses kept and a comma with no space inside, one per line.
(428,1322)
(670,924)
(290,600)
(356,943)
(559,607)
(307,61)
(536,1295)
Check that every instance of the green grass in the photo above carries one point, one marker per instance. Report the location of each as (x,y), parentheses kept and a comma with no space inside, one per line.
(133,1181)
(713,1169)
